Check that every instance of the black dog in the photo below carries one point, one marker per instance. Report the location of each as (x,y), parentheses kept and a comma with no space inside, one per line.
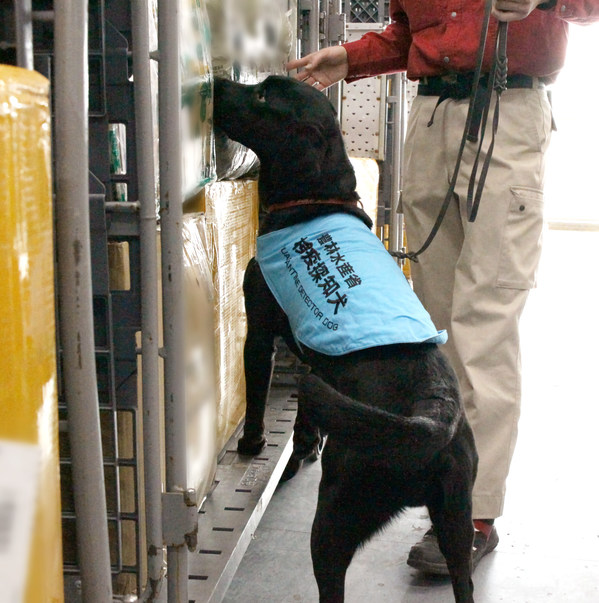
(398,436)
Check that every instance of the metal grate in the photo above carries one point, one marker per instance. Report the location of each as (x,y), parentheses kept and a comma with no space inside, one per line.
(363,108)
(116,312)
(369,11)
(244,487)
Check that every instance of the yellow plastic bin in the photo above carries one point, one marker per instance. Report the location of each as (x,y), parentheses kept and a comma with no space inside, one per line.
(30,533)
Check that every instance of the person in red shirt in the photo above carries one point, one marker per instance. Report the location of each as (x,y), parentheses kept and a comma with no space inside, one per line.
(475,277)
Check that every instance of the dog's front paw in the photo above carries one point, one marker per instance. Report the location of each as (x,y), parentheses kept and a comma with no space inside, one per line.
(250,446)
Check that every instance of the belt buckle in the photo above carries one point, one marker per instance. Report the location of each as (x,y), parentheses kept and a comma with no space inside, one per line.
(450,78)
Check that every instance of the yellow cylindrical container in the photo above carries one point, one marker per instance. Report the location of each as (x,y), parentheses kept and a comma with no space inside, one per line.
(31,552)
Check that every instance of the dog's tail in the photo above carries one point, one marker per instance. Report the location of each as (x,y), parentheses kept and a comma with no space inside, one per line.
(377,432)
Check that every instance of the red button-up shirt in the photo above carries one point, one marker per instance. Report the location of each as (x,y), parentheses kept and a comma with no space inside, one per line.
(435,37)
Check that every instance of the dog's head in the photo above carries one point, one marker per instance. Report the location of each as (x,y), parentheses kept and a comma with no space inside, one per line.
(293,129)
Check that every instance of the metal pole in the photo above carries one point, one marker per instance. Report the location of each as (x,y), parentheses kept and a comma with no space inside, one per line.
(75,297)
(24,33)
(334,92)
(45,16)
(396,146)
(149,297)
(403,116)
(314,25)
(171,219)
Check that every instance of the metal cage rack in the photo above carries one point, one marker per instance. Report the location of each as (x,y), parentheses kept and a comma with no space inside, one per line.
(121,212)
(368,11)
(116,313)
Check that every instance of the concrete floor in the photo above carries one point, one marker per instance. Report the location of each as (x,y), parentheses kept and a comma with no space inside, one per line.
(549,534)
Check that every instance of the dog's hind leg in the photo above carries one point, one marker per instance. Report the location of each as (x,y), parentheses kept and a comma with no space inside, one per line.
(349,512)
(306,441)
(455,535)
(451,514)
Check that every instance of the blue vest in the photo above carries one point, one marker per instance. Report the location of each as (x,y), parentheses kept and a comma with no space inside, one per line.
(340,288)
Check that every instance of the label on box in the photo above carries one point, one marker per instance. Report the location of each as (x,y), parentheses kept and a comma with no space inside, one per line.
(19,476)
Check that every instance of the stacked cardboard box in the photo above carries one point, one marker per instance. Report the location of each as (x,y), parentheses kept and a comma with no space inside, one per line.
(200,399)
(231,210)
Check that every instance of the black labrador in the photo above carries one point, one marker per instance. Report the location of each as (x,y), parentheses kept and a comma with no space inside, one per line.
(398,436)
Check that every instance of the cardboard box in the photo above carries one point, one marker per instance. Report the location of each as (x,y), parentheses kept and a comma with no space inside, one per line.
(231,210)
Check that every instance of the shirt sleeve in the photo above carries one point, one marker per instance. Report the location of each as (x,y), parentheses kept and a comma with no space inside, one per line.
(380,53)
(577,11)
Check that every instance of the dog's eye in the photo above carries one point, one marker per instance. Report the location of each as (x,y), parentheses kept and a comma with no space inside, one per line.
(261,96)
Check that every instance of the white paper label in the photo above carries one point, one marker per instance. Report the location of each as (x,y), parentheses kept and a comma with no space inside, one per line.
(19,474)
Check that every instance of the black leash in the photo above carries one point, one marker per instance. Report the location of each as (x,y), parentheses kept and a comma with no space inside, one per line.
(498,82)
(478,110)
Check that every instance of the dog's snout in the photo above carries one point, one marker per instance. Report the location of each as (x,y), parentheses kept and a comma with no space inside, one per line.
(224,100)
(219,86)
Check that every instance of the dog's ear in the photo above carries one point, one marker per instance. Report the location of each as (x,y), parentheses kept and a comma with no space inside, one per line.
(304,151)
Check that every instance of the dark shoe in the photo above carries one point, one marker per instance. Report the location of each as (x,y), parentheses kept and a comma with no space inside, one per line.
(485,540)
(427,557)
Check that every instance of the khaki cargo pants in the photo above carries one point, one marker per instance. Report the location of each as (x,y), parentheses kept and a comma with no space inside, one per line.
(474,278)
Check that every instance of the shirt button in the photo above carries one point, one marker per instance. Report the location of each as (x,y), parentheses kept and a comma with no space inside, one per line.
(454,15)
(563,8)
(446,59)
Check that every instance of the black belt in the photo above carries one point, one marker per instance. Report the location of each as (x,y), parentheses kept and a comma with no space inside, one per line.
(459,85)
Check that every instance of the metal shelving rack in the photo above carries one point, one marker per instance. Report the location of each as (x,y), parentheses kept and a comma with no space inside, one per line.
(117,521)
(118,524)
(84,50)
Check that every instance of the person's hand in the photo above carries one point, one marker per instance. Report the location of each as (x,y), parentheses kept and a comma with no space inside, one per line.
(513,10)
(323,68)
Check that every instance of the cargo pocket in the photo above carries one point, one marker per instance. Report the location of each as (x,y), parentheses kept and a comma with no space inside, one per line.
(521,243)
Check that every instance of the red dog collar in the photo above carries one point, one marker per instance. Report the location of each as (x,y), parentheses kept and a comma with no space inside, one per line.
(299,202)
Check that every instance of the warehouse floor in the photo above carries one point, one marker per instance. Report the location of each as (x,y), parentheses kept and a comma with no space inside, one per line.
(549,534)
